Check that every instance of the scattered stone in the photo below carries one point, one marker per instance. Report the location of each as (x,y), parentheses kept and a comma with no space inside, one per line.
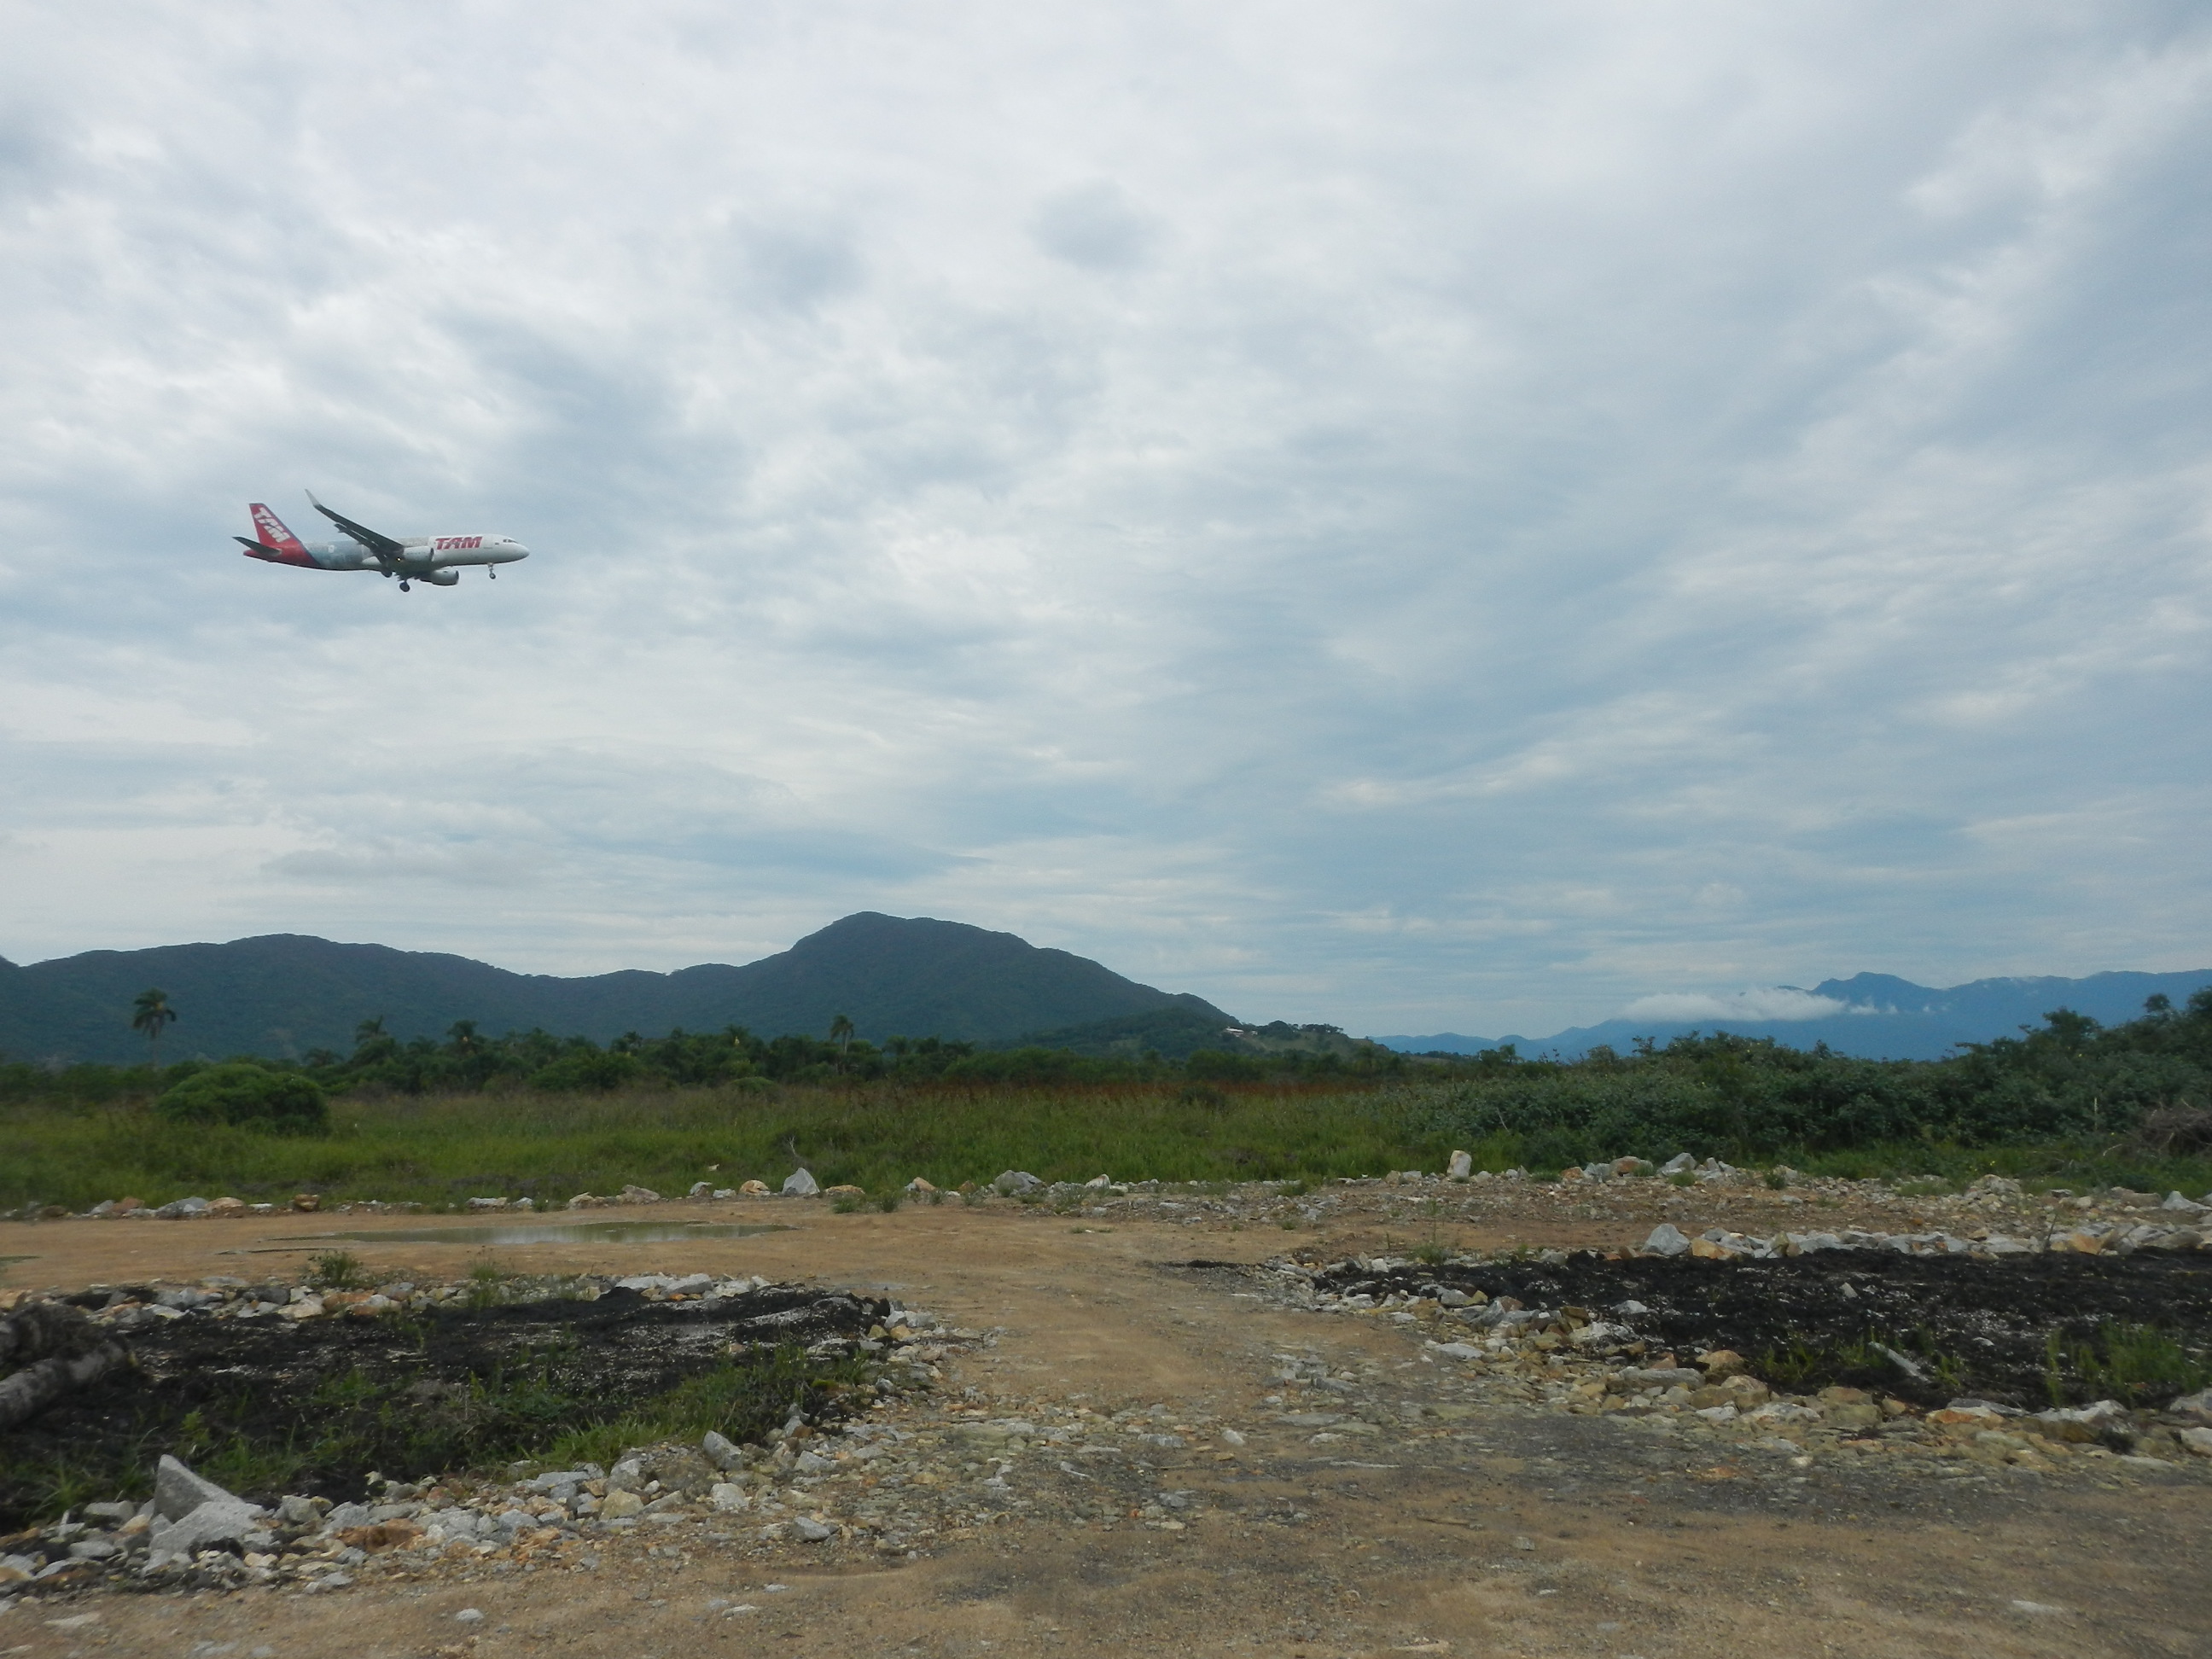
(1016,1183)
(2197,1407)
(1667,1239)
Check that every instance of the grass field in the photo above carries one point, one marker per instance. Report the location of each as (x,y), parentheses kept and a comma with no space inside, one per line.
(440,1150)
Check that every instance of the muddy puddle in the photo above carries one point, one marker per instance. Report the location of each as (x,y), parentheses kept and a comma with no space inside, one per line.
(552,1232)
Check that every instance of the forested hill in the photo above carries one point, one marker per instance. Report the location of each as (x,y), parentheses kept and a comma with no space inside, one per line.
(286,994)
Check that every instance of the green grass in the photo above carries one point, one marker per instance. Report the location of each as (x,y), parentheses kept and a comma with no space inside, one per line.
(2135,1365)
(440,1150)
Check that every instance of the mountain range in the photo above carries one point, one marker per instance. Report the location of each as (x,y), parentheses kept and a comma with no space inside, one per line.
(284,995)
(1875,1016)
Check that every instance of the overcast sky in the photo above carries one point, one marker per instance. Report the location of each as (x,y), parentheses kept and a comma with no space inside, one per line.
(1423,516)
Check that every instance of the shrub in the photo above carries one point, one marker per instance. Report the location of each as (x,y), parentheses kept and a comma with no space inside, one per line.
(283,1102)
(593,1070)
(1224,1067)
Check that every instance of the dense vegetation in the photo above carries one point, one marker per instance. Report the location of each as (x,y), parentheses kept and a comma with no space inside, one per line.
(532,1114)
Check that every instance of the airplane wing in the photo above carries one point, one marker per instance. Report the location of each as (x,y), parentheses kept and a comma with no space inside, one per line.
(384,547)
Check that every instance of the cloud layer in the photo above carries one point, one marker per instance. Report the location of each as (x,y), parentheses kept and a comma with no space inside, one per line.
(1440,519)
(1783,1002)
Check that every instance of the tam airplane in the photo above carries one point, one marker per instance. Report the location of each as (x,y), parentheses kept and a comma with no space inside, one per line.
(429,559)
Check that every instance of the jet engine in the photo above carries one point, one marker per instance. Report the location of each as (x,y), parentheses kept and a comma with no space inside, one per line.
(438,578)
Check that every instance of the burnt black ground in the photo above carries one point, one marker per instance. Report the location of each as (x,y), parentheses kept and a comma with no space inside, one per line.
(1991,1319)
(325,1400)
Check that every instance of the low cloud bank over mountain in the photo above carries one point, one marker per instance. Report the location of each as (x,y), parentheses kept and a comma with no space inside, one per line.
(1878,1016)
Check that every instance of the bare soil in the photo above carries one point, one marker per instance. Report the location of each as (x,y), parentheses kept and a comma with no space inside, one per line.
(1520,1531)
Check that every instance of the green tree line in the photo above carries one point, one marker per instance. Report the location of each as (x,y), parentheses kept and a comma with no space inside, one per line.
(2070,1079)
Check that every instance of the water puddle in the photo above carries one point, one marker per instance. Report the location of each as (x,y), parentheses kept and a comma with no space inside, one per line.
(510,1233)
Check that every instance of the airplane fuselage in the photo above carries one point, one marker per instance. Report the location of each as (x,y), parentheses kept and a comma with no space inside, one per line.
(420,555)
(433,559)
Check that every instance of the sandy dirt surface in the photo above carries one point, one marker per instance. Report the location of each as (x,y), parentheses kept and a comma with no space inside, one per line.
(1519,1532)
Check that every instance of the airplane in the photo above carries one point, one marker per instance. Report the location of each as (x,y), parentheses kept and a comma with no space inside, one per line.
(412,559)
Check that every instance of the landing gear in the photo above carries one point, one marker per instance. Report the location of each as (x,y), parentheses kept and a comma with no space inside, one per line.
(403,588)
(492,571)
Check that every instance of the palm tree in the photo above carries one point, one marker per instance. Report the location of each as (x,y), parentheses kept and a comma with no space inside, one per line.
(841,1032)
(367,1031)
(149,1014)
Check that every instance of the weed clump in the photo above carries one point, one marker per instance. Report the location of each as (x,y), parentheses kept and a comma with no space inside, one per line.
(2136,1364)
(337,1270)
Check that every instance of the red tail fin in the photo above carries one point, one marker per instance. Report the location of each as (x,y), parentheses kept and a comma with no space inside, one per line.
(276,544)
(271,528)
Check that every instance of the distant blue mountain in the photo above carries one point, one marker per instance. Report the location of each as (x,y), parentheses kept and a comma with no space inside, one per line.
(1882,1017)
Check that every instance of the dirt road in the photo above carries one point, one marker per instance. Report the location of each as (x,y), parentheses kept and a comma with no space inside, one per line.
(1515,1531)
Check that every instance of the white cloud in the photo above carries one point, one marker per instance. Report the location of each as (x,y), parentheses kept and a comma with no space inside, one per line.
(1438,520)
(1774,1002)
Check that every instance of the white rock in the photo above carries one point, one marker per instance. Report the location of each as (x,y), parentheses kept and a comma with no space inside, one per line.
(811,1531)
(224,1521)
(723,1454)
(177,1491)
(2198,1405)
(728,1497)
(1678,1164)
(1667,1239)
(800,1183)
(1461,1167)
(1015,1183)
